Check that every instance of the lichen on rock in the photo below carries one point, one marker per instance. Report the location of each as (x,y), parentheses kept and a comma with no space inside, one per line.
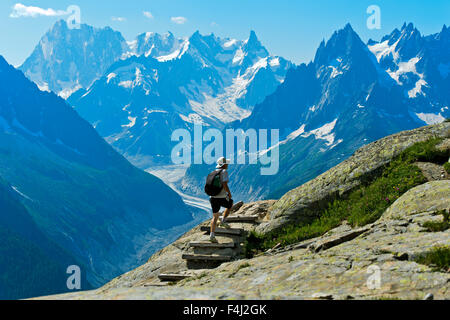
(429,197)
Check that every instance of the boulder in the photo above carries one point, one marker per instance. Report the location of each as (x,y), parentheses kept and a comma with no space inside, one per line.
(429,197)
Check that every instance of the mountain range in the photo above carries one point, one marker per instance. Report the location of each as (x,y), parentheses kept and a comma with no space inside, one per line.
(158,83)
(351,94)
(67,197)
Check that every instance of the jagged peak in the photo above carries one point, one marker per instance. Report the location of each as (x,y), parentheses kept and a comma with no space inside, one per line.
(393,36)
(348,28)
(169,34)
(371,42)
(195,35)
(252,44)
(341,42)
(253,38)
(409,29)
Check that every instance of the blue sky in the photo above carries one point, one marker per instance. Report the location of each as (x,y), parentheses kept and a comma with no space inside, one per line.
(290,28)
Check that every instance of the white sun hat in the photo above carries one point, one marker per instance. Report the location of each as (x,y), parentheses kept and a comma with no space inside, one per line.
(221,162)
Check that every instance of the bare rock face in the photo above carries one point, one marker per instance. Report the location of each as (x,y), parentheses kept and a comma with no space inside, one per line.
(302,203)
(432,171)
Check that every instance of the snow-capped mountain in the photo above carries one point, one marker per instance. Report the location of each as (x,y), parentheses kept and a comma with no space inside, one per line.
(165,83)
(421,65)
(325,110)
(66,60)
(162,47)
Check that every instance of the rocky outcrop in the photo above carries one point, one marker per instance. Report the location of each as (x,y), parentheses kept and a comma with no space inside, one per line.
(429,197)
(303,202)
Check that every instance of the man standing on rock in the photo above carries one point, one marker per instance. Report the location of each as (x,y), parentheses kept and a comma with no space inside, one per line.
(223,199)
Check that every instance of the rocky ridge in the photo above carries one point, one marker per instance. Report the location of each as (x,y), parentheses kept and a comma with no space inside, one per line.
(376,261)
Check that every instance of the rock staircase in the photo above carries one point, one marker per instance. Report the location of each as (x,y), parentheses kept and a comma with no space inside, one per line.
(203,254)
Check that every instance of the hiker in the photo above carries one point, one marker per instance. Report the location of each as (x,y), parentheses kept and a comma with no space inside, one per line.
(220,195)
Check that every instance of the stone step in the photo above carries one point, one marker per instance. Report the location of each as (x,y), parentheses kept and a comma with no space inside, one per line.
(207,244)
(172,277)
(242,218)
(231,231)
(206,257)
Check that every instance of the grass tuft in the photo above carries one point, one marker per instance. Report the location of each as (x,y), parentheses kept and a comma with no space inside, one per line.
(447,167)
(435,226)
(438,258)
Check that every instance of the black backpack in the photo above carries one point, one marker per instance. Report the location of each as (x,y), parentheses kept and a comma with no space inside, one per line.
(213,184)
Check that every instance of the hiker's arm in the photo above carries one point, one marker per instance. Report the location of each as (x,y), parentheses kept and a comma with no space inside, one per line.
(225,186)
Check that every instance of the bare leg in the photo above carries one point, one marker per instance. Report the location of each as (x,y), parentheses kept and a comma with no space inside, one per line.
(214,221)
(226,213)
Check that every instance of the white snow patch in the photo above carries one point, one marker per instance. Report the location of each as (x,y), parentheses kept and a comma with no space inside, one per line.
(313,108)
(335,72)
(192,118)
(230,43)
(126,84)
(383,49)
(20,193)
(43,87)
(176,54)
(409,67)
(275,62)
(131,124)
(65,93)
(110,76)
(417,89)
(324,133)
(430,118)
(296,133)
(238,57)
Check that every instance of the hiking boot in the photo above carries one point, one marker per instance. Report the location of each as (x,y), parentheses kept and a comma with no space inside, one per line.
(213,240)
(224,225)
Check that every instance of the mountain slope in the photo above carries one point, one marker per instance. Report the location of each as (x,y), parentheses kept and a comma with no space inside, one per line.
(80,193)
(30,262)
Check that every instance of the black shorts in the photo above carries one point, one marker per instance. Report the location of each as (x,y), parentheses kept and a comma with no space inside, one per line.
(217,203)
